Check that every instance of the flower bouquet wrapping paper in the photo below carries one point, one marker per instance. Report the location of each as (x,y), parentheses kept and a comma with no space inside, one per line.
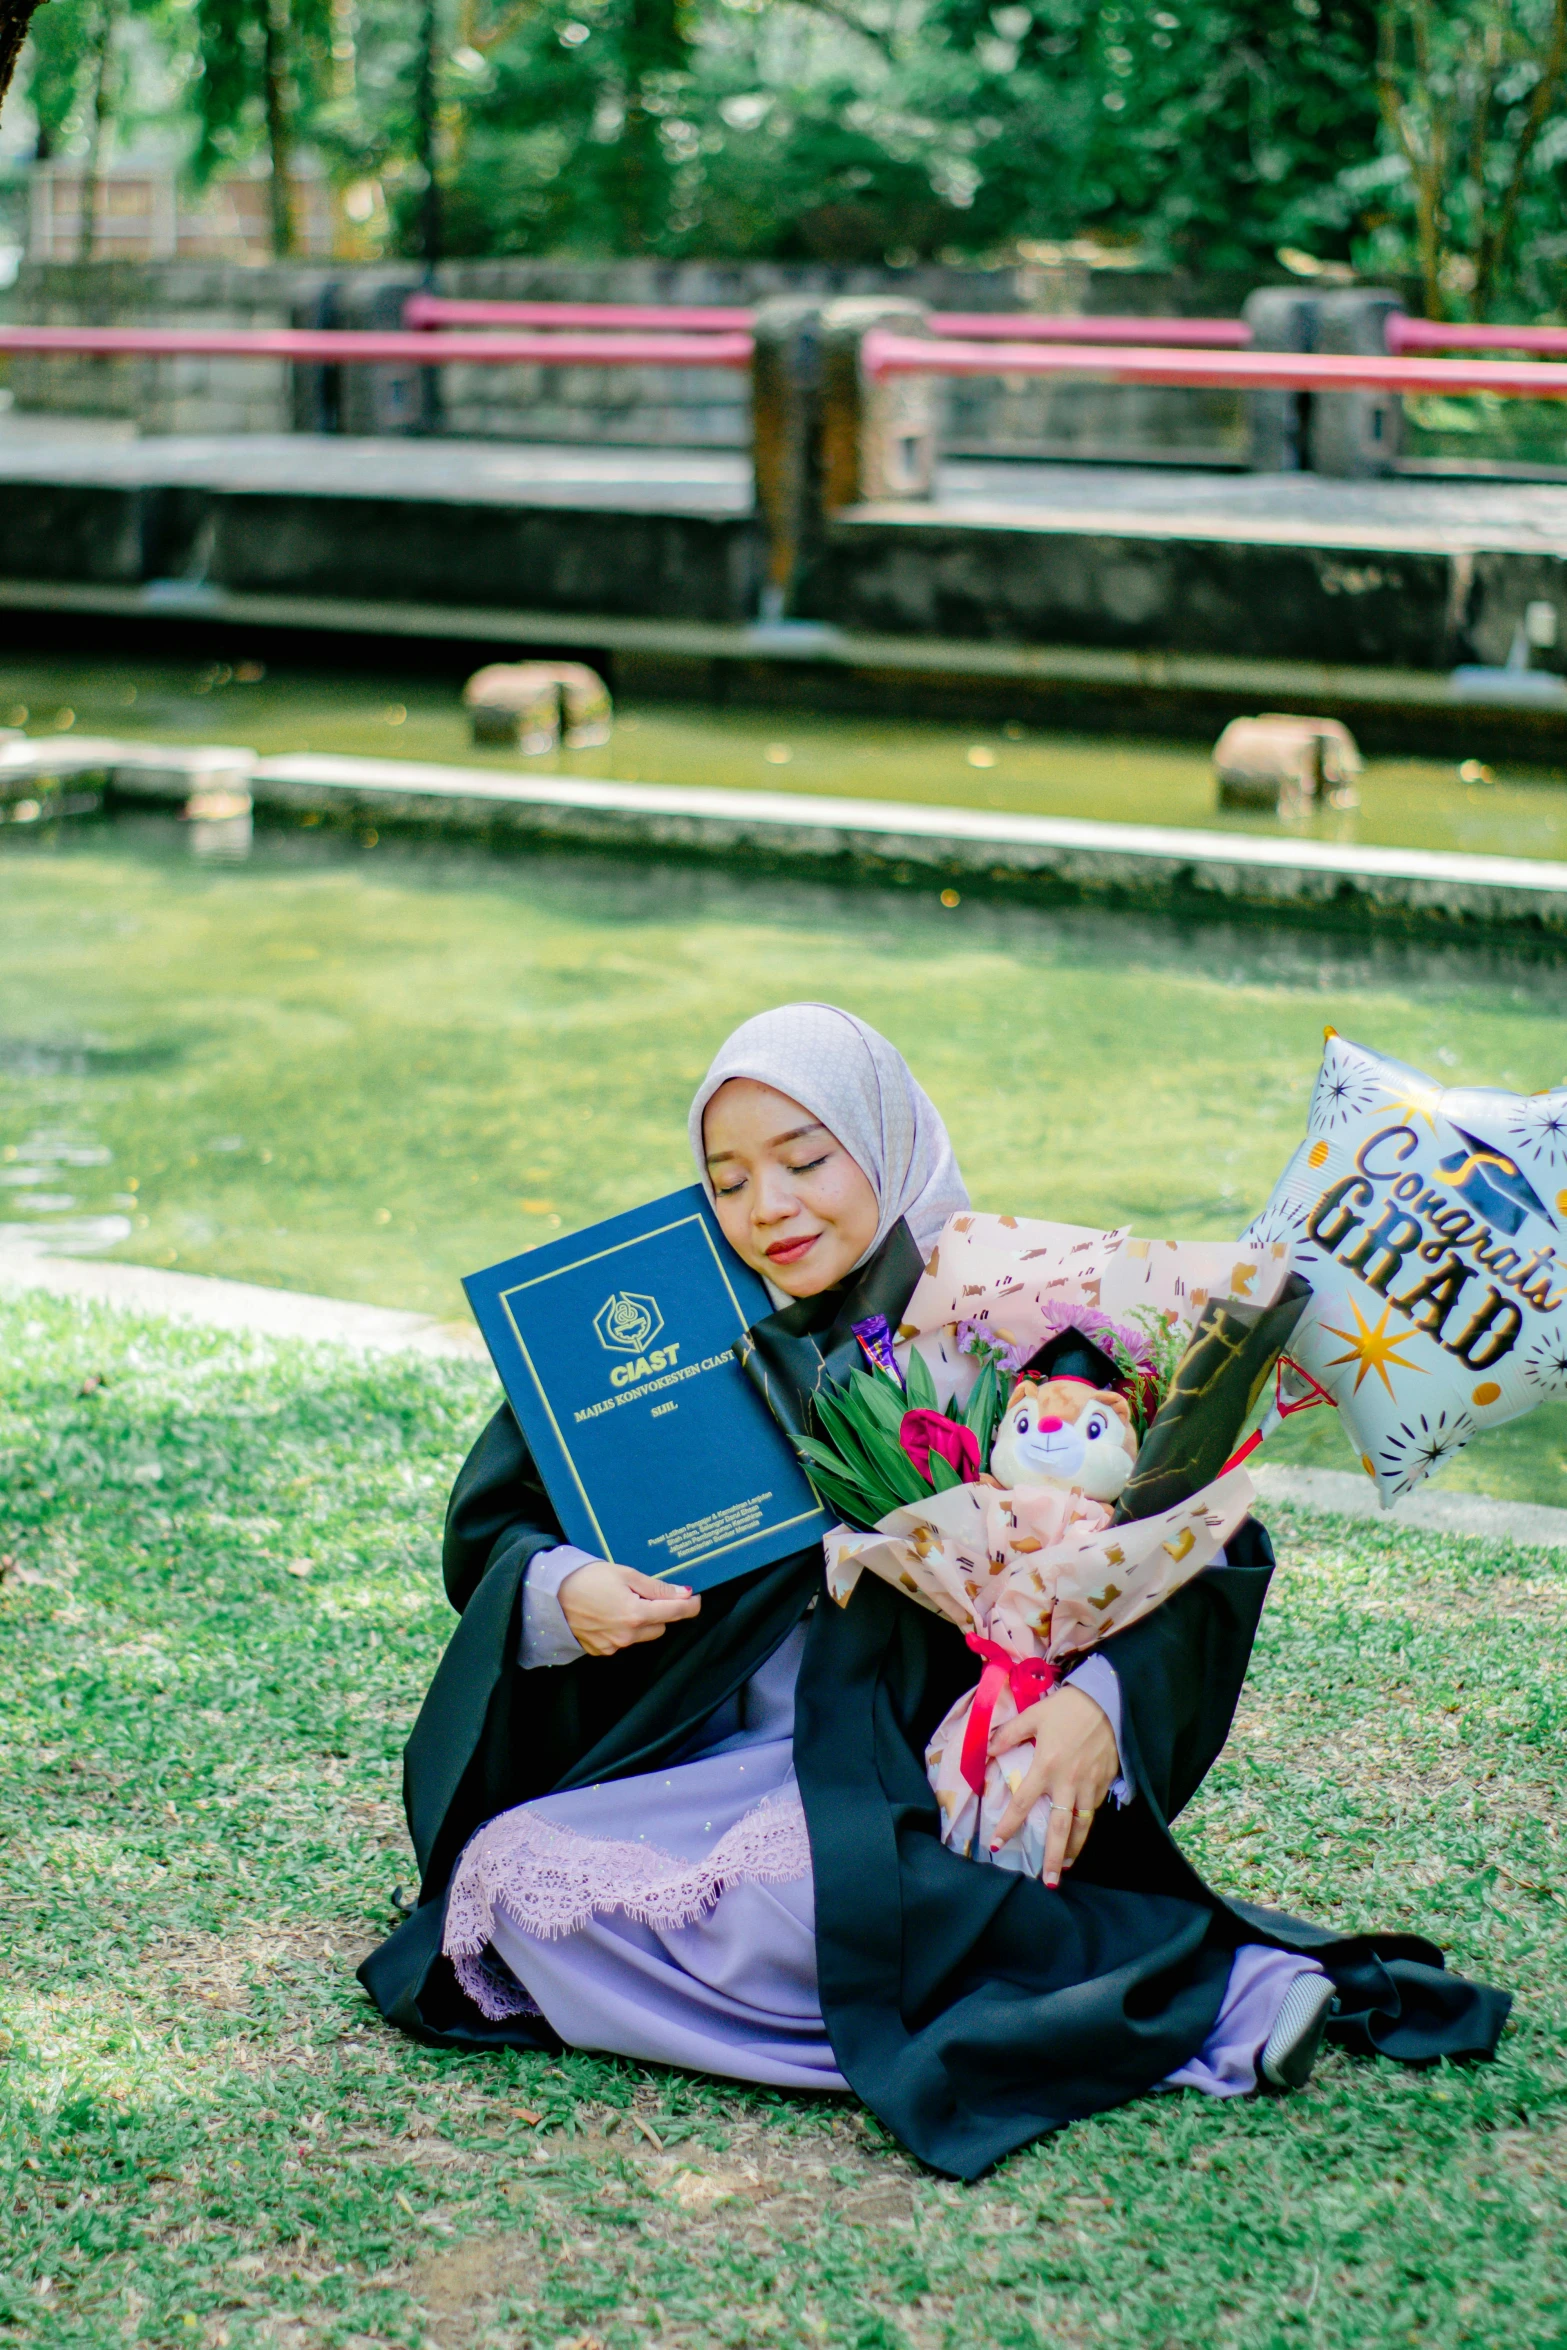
(1035,1575)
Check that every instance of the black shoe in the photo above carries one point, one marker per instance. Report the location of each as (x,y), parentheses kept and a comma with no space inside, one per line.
(1291,2047)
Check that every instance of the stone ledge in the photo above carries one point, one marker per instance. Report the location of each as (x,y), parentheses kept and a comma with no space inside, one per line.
(1147,862)
(1114,863)
(1435,1509)
(237,1305)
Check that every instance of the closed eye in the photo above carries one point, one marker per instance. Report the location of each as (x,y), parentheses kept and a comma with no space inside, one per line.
(811,1165)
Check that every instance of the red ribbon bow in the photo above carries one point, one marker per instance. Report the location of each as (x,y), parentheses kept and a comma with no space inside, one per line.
(1028,1677)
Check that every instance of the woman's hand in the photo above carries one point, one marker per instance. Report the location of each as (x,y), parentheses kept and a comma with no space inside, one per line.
(1075,1764)
(610,1607)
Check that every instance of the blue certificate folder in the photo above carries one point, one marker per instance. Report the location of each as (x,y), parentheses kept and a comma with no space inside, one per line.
(613,1346)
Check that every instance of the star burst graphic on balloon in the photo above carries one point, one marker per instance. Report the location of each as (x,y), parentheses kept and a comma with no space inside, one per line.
(1339,1098)
(1541,1123)
(1283,1220)
(1413,1449)
(1412,1101)
(1372,1349)
(1545,1360)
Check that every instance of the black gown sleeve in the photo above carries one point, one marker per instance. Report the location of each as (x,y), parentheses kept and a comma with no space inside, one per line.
(499,1510)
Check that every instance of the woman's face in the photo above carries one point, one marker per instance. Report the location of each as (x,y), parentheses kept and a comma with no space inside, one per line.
(790,1199)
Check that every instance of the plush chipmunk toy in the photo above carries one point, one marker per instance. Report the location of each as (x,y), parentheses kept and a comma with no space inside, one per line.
(1067,1423)
(1067,1433)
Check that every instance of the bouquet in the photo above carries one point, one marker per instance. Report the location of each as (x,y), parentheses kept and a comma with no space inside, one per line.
(1042,1470)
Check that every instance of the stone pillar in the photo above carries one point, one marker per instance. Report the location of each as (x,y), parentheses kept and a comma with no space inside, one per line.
(825,437)
(878,439)
(786,382)
(1280,320)
(394,400)
(1356,435)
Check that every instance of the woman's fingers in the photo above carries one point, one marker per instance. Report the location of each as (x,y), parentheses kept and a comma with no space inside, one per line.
(609,1606)
(652,1586)
(1016,1732)
(1071,1816)
(666,1605)
(1058,1837)
(1024,1797)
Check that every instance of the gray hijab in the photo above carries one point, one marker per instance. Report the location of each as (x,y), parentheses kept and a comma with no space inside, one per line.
(865,1093)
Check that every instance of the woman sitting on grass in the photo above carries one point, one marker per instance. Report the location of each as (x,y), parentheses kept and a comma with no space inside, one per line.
(699,1831)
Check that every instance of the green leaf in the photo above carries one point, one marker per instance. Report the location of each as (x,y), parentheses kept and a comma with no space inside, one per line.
(898,1470)
(943,1476)
(981,1413)
(875,1397)
(848,1437)
(842,1493)
(875,1461)
(921,1386)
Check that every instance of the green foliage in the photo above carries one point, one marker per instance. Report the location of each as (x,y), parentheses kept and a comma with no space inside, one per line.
(264,75)
(1472,98)
(857,1461)
(1208,134)
(147,48)
(62,42)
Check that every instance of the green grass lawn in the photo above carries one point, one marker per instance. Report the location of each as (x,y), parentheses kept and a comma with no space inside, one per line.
(219,1607)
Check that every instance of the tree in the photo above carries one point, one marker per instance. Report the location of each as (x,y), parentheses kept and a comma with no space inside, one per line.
(1468,93)
(1207,133)
(265,66)
(569,125)
(15,17)
(102,69)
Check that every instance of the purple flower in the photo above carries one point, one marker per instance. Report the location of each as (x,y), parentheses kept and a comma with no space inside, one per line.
(977,1338)
(1060,1316)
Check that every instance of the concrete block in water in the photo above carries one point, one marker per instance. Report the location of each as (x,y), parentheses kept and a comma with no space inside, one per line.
(530,705)
(1284,763)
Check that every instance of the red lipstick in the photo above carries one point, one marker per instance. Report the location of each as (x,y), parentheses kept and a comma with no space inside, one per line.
(789,1252)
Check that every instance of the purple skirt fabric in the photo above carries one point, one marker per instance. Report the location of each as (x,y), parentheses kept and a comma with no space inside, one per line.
(670,1917)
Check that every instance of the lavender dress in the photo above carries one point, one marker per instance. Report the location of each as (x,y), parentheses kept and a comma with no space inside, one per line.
(671,1916)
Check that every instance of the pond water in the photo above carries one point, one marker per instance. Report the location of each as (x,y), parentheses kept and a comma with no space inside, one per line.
(366,1071)
(1508,810)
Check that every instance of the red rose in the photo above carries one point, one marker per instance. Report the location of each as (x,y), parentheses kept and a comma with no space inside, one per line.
(924,1433)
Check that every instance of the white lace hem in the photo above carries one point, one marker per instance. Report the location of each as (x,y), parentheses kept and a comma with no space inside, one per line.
(550,1881)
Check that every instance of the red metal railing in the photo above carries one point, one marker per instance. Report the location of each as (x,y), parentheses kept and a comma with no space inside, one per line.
(1432,334)
(334,346)
(1201,334)
(422,312)
(885,353)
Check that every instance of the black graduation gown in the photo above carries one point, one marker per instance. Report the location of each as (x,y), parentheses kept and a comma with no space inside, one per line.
(970,2008)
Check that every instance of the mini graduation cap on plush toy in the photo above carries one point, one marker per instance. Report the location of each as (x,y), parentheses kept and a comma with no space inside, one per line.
(1067,1422)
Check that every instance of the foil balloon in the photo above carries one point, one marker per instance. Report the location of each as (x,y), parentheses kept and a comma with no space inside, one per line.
(1431,1225)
